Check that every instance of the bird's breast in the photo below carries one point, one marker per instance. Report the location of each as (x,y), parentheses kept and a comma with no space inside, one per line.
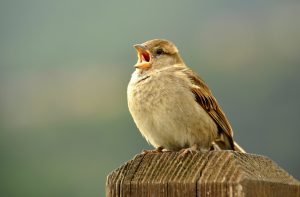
(165,111)
(152,93)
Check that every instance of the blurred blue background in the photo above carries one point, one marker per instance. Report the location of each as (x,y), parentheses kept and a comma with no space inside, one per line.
(65,65)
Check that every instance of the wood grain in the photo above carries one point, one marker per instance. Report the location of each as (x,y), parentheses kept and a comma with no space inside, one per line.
(215,173)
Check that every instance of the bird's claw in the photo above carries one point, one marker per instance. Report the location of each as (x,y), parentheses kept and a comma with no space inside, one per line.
(157,150)
(186,151)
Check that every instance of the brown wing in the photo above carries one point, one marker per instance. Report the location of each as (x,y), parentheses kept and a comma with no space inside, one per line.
(208,102)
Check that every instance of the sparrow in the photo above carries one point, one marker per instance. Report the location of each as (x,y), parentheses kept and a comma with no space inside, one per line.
(172,106)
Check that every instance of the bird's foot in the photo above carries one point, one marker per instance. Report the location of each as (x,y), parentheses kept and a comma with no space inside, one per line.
(157,150)
(215,146)
(193,149)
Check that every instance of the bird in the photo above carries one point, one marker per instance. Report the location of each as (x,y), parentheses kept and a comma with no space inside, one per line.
(172,106)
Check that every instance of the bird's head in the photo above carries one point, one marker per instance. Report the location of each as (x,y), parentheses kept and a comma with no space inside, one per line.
(157,53)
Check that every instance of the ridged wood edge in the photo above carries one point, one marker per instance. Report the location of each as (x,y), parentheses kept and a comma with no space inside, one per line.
(215,173)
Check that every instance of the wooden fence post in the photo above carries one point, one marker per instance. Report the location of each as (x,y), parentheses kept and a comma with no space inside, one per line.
(215,173)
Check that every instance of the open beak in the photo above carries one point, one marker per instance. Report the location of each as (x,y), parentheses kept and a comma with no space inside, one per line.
(144,57)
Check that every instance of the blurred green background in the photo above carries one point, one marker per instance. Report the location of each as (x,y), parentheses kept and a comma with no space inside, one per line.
(65,65)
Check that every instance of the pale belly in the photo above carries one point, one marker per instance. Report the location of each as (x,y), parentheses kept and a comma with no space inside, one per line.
(170,117)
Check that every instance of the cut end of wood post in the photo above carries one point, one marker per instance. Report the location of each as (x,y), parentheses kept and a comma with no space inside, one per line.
(215,173)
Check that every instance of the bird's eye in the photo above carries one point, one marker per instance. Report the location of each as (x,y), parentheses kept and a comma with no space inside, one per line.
(159,51)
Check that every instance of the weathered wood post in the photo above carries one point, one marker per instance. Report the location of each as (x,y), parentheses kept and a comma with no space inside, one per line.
(215,173)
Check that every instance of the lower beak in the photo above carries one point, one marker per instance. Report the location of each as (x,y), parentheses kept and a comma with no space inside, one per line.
(144,57)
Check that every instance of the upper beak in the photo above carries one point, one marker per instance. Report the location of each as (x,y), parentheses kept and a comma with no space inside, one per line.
(144,57)
(140,47)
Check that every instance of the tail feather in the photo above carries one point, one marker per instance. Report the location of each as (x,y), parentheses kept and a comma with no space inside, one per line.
(221,145)
(238,148)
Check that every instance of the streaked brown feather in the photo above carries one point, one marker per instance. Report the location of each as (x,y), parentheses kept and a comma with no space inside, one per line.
(208,102)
